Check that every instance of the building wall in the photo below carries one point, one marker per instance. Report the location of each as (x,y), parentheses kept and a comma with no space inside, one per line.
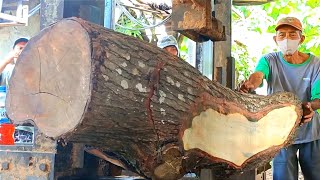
(9,34)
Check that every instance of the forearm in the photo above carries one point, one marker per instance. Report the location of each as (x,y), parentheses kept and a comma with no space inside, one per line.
(315,104)
(3,65)
(256,79)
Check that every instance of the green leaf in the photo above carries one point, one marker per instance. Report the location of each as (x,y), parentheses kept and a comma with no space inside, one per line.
(258,29)
(245,11)
(285,10)
(313,3)
(266,6)
(271,29)
(183,48)
(275,13)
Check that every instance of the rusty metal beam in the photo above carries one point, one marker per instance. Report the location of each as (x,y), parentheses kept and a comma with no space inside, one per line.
(193,18)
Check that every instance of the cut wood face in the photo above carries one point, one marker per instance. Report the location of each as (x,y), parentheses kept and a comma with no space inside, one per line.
(233,138)
(54,89)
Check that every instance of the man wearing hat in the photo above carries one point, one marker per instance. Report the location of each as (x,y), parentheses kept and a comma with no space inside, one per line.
(7,65)
(293,71)
(169,43)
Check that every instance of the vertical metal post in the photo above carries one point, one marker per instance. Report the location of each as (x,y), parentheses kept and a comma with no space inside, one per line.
(231,69)
(199,57)
(0,6)
(213,44)
(109,14)
(19,9)
(50,12)
(204,58)
(192,53)
(208,61)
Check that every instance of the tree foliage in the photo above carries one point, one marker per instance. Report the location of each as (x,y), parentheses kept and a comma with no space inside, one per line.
(259,22)
(126,26)
(133,28)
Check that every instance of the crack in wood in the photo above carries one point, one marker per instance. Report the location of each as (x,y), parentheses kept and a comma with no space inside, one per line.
(154,80)
(51,95)
(39,68)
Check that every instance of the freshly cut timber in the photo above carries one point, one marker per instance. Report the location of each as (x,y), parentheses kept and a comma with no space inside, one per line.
(86,84)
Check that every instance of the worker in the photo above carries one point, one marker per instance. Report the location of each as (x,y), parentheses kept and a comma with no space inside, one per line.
(7,65)
(169,43)
(293,71)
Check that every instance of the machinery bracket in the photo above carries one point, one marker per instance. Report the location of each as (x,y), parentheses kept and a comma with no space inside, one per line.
(193,18)
(21,16)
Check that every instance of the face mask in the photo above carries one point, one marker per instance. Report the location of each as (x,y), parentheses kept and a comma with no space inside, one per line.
(288,46)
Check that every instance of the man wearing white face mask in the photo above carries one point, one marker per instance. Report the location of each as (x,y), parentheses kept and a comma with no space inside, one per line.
(293,71)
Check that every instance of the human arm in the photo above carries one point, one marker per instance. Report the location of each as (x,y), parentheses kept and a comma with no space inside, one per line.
(314,104)
(256,79)
(252,83)
(8,59)
(308,111)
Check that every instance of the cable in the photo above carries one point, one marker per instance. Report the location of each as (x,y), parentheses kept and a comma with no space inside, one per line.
(34,10)
(133,19)
(143,28)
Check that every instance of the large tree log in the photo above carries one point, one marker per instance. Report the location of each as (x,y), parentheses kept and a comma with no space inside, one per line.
(86,84)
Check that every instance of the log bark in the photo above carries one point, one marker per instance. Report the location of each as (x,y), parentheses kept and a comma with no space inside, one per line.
(81,82)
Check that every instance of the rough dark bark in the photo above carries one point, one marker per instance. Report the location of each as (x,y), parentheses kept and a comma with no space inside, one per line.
(86,84)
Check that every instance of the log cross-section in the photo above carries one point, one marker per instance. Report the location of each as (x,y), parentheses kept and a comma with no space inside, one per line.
(81,82)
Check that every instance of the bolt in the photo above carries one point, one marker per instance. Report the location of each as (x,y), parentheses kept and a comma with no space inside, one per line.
(5,165)
(43,167)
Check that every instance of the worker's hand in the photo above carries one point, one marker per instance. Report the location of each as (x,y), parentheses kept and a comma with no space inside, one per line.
(11,56)
(307,113)
(245,87)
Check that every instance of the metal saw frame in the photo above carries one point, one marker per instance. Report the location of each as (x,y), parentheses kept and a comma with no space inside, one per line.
(21,8)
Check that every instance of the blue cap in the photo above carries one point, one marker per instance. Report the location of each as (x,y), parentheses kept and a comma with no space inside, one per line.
(3,89)
(19,41)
